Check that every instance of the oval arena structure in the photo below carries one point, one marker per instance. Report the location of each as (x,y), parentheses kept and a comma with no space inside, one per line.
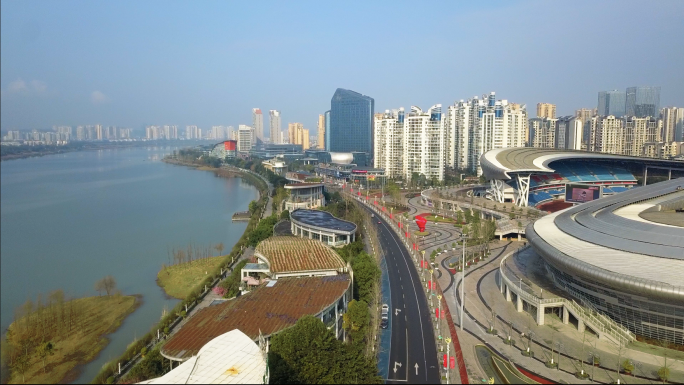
(623,256)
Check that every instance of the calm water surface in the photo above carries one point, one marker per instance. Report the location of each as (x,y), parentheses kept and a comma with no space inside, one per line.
(69,220)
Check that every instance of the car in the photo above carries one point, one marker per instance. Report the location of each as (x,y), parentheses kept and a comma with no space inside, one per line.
(384,322)
(385,309)
(372,215)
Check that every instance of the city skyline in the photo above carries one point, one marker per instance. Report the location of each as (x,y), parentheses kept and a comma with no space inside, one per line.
(43,84)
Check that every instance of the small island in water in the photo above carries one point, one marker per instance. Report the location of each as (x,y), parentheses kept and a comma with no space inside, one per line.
(52,338)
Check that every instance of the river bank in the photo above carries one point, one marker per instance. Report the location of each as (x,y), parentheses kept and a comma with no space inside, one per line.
(76,330)
(132,357)
(25,151)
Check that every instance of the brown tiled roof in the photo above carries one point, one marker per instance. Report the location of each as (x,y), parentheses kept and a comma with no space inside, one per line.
(269,309)
(286,254)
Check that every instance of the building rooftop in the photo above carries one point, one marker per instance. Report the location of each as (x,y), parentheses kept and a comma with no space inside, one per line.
(286,254)
(265,309)
(607,239)
(230,358)
(323,219)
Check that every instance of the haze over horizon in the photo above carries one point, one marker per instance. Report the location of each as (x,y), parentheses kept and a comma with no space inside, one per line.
(209,63)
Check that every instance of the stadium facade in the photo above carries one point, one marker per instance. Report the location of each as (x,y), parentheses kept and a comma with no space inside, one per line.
(623,256)
(534,177)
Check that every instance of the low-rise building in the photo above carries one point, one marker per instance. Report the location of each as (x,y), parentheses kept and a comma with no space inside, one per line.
(230,358)
(266,310)
(276,166)
(225,150)
(322,226)
(304,196)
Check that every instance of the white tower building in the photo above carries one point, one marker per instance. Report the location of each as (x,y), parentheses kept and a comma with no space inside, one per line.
(389,142)
(424,143)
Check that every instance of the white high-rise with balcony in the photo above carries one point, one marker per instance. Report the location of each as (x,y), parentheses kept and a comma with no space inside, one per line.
(424,143)
(274,126)
(246,138)
(389,142)
(258,123)
(479,125)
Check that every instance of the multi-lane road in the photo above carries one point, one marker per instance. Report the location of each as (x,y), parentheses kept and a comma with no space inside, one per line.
(413,353)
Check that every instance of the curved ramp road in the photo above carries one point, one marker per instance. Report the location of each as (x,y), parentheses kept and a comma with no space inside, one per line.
(413,353)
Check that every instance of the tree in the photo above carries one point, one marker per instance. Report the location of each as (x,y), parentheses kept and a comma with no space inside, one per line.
(46,349)
(219,248)
(100,286)
(21,365)
(356,320)
(366,274)
(309,353)
(109,284)
(459,217)
(253,206)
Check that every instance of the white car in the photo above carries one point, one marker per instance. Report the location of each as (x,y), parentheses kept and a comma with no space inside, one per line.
(385,309)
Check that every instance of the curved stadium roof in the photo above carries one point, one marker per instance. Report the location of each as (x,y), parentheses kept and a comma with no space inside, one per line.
(497,164)
(609,240)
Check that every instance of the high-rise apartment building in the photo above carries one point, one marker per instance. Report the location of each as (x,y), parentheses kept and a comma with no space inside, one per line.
(327,130)
(476,126)
(274,126)
(673,117)
(424,143)
(542,132)
(642,101)
(607,135)
(351,122)
(321,132)
(546,110)
(258,123)
(388,142)
(639,131)
(246,138)
(297,134)
(611,103)
(193,132)
(585,115)
(569,133)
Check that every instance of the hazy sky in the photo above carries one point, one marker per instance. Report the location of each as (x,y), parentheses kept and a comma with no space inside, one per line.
(133,63)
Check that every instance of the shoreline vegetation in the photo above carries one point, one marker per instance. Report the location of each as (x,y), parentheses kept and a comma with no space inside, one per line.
(150,365)
(178,280)
(26,151)
(51,339)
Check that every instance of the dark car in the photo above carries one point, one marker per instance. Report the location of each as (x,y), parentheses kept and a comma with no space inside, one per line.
(384,323)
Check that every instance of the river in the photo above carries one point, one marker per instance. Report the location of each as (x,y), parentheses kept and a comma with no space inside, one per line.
(68,220)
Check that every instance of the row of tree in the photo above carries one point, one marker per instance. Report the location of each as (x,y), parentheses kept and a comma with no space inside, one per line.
(37,324)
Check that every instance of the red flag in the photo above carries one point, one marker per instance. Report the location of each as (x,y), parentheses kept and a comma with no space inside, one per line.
(452,362)
(430,285)
(437,316)
(399,224)
(445,361)
(391,216)
(414,246)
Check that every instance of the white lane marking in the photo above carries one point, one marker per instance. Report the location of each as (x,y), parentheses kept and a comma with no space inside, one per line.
(420,317)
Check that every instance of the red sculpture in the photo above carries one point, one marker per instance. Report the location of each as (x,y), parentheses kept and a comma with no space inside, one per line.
(421,222)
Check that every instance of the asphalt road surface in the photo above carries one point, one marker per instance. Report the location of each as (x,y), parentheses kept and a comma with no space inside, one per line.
(413,353)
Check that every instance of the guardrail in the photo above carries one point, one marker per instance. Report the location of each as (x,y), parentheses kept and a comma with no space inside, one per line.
(592,318)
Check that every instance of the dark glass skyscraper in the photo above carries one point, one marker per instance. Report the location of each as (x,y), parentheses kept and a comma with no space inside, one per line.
(643,101)
(611,103)
(327,130)
(351,122)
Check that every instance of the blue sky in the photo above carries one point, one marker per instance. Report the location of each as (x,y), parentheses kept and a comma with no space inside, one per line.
(132,63)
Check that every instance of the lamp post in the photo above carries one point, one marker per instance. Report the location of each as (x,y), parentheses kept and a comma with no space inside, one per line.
(422,271)
(430,288)
(448,342)
(464,237)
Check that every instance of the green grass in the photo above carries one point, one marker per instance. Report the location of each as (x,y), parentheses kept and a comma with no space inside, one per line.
(103,316)
(178,281)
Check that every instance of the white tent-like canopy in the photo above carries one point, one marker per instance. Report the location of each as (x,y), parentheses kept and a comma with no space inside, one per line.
(231,358)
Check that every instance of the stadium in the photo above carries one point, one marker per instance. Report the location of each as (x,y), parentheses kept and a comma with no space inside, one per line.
(623,256)
(538,177)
